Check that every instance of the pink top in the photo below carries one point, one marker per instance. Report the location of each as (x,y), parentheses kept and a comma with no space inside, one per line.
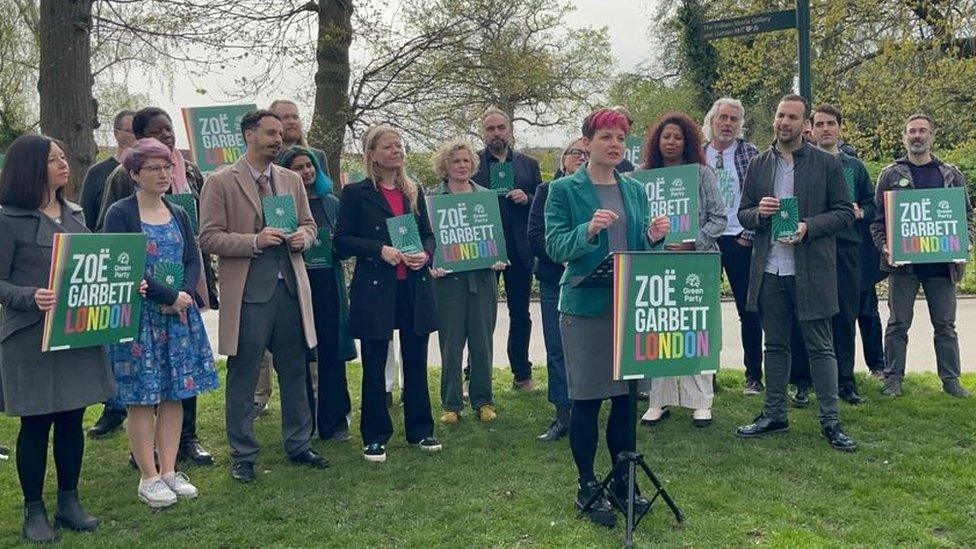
(394,197)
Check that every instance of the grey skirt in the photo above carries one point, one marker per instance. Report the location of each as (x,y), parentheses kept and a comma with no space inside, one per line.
(34,383)
(588,350)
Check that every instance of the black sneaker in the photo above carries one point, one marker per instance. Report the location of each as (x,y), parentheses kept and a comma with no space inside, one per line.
(954,388)
(110,422)
(375,452)
(619,489)
(801,398)
(242,471)
(753,387)
(838,440)
(892,387)
(430,444)
(600,512)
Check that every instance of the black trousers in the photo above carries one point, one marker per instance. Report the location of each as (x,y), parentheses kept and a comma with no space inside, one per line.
(332,401)
(518,286)
(872,334)
(375,423)
(584,432)
(843,324)
(736,260)
(69,447)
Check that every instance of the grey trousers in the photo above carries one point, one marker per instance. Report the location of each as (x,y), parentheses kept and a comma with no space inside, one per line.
(940,296)
(777,305)
(276,326)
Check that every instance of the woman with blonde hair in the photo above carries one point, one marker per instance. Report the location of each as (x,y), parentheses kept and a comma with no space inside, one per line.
(466,302)
(391,290)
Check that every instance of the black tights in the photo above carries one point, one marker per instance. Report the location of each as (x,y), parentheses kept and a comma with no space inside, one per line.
(584,433)
(69,445)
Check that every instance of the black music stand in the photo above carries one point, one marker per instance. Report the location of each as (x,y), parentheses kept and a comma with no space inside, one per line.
(602,276)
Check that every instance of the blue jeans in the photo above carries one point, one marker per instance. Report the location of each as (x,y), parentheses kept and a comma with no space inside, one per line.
(555,364)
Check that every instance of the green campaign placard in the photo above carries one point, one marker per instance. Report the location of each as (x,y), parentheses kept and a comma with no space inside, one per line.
(188,203)
(673,192)
(215,134)
(502,177)
(851,179)
(169,274)
(320,254)
(280,213)
(96,280)
(667,314)
(468,229)
(927,225)
(634,149)
(786,222)
(404,233)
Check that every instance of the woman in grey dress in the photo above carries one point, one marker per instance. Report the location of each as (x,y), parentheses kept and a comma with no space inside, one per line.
(590,214)
(48,389)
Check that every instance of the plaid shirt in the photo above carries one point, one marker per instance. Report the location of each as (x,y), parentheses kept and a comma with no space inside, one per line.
(744,153)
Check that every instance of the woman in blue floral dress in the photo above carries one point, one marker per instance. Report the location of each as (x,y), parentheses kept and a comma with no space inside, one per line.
(171,359)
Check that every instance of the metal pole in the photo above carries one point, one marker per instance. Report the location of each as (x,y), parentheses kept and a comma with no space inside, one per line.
(803,45)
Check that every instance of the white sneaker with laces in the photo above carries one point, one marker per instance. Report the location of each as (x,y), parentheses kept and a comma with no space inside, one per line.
(179,483)
(155,493)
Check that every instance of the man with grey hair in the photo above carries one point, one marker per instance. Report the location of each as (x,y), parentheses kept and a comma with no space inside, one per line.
(496,128)
(728,152)
(920,169)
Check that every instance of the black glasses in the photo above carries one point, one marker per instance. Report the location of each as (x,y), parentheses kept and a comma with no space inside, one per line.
(158,169)
(578,153)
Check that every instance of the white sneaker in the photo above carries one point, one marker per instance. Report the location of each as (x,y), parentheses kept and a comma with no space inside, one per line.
(155,493)
(180,485)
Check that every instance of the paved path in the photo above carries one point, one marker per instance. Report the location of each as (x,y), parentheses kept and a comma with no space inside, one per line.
(921,357)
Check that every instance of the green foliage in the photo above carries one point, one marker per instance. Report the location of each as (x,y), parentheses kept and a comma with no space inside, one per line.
(699,56)
(647,99)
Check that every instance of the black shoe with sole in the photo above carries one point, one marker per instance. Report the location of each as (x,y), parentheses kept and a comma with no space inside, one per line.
(556,431)
(36,527)
(801,398)
(71,515)
(619,489)
(762,426)
(850,396)
(311,458)
(375,452)
(242,471)
(110,422)
(601,512)
(953,388)
(838,440)
(195,453)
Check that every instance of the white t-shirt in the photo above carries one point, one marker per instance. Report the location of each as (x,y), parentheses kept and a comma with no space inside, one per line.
(728,186)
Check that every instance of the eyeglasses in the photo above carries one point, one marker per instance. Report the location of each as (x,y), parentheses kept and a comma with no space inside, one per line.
(157,169)
(578,153)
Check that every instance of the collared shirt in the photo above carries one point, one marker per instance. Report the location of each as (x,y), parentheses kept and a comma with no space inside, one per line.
(729,186)
(780,260)
(255,174)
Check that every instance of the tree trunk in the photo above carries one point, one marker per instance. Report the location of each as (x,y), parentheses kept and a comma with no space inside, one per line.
(64,82)
(332,109)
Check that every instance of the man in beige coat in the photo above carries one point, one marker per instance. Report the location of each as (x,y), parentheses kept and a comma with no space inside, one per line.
(266,303)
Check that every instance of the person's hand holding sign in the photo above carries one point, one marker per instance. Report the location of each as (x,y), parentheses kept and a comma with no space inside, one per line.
(391,255)
(44,299)
(660,227)
(602,219)
(499,266)
(296,241)
(269,236)
(415,261)
(518,196)
(437,272)
(768,206)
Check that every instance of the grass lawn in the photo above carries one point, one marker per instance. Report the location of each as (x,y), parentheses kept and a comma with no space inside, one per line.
(913,482)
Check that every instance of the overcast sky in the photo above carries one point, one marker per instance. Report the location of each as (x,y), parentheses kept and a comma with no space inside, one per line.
(627,21)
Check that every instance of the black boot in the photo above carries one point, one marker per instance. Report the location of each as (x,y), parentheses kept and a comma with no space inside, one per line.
(110,422)
(71,515)
(36,527)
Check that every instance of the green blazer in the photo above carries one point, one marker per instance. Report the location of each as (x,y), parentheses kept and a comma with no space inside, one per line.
(569,208)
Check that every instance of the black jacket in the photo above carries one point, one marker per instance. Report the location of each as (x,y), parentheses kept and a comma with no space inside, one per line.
(123,217)
(545,268)
(515,217)
(361,233)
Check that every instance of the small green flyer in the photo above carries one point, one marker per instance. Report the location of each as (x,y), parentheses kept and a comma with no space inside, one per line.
(404,233)
(169,274)
(502,177)
(320,254)
(279,212)
(786,221)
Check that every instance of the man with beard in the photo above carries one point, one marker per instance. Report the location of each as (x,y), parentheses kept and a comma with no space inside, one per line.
(515,204)
(826,124)
(796,278)
(267,303)
(293,132)
(156,123)
(920,169)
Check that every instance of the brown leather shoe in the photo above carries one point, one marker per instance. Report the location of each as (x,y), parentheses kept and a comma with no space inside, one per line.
(526,385)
